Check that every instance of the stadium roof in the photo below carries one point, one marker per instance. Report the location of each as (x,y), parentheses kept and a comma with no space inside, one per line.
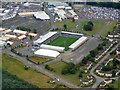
(41,15)
(50,47)
(78,42)
(72,33)
(44,37)
(46,52)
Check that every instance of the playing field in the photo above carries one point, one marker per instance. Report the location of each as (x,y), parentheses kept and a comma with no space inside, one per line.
(63,42)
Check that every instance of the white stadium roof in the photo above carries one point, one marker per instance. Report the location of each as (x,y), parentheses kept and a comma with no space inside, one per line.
(50,47)
(46,52)
(44,37)
(78,42)
(41,15)
(72,33)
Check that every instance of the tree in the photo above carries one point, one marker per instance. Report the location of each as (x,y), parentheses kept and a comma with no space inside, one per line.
(113,73)
(34,31)
(94,52)
(73,20)
(113,52)
(91,23)
(80,75)
(107,68)
(88,27)
(100,47)
(65,26)
(31,37)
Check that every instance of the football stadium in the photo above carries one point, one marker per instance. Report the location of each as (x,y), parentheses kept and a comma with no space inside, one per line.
(54,43)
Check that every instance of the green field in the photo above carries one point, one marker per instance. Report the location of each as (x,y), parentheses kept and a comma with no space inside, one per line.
(63,41)
(16,67)
(72,78)
(109,28)
(69,23)
(97,26)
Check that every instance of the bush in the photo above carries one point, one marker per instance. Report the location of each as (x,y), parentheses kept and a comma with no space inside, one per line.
(107,68)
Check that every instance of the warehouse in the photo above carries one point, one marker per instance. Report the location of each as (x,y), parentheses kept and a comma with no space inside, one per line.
(10,43)
(2,43)
(6,31)
(47,53)
(78,43)
(44,37)
(22,37)
(20,32)
(41,15)
(61,14)
(11,36)
(32,34)
(50,47)
(2,29)
(26,13)
(4,38)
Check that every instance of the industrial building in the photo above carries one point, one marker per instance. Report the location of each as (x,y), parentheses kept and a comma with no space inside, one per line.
(41,15)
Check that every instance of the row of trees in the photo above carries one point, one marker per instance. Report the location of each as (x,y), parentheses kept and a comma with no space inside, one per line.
(26,29)
(12,81)
(88,26)
(48,68)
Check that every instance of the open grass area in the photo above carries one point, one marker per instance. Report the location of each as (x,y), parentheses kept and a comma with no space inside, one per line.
(69,23)
(109,28)
(63,41)
(115,85)
(72,78)
(16,67)
(96,28)
(38,60)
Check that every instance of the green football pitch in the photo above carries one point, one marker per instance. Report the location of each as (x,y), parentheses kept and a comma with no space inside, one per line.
(63,42)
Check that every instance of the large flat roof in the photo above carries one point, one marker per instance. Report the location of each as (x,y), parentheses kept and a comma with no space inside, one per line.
(78,42)
(41,15)
(44,37)
(50,47)
(47,53)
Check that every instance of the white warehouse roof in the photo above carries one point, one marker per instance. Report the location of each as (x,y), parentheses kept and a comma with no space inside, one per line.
(44,37)
(50,47)
(78,42)
(26,13)
(2,43)
(19,31)
(7,31)
(11,36)
(41,15)
(46,52)
(21,37)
